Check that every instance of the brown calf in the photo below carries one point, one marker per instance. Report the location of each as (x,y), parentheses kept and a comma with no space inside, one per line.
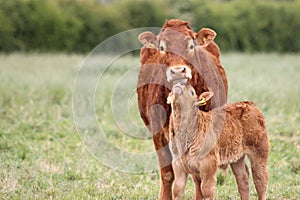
(237,130)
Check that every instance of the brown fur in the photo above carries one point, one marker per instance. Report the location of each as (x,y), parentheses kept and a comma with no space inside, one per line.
(241,132)
(153,88)
(205,37)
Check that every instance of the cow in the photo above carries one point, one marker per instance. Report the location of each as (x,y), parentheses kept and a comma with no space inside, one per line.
(184,56)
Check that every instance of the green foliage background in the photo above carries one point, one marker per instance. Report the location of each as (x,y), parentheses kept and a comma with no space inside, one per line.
(78,26)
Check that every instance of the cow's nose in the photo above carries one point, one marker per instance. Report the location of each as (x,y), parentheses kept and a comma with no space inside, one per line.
(178,71)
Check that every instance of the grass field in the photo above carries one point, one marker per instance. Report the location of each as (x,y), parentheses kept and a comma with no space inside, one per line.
(43,157)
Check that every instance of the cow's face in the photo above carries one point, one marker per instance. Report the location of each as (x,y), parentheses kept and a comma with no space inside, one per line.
(180,49)
(175,42)
(174,48)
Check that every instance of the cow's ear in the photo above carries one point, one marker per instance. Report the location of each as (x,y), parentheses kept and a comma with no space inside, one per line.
(205,36)
(148,39)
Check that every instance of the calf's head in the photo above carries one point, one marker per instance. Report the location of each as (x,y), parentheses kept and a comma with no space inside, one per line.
(184,95)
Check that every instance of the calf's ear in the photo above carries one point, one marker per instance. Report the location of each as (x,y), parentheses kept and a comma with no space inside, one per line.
(204,97)
(148,39)
(170,98)
(205,36)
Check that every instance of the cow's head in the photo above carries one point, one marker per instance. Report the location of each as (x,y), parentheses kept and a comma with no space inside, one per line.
(177,45)
(186,57)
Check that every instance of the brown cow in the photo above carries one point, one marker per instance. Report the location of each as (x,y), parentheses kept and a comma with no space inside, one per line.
(174,51)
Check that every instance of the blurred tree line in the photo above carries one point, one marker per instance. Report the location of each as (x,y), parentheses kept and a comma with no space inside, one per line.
(78,25)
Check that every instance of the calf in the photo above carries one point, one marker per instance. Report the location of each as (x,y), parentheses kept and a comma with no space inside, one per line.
(236,130)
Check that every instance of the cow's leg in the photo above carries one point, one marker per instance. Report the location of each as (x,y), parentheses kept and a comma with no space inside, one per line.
(165,162)
(167,178)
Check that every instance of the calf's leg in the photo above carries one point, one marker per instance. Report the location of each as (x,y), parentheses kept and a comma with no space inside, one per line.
(180,179)
(197,184)
(260,178)
(259,162)
(241,173)
(208,175)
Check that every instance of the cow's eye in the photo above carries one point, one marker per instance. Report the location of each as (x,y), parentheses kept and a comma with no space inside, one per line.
(162,46)
(191,44)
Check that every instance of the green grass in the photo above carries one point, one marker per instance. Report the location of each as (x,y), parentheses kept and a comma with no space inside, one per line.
(43,157)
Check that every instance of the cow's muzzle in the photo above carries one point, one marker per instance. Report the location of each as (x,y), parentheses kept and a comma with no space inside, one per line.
(178,73)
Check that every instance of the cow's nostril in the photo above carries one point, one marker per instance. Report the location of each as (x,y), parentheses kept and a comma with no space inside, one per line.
(183,70)
(172,71)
